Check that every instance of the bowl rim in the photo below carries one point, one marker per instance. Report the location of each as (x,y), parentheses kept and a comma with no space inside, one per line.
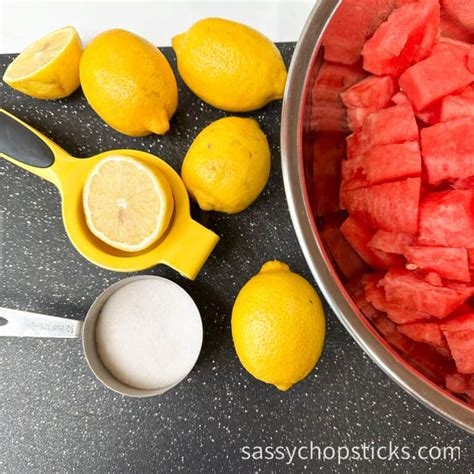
(413,382)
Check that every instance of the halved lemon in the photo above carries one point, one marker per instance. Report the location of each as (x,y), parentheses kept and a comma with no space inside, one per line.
(48,68)
(127,205)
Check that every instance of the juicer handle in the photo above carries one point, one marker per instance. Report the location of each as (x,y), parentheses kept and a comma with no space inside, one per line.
(24,146)
(190,249)
(14,323)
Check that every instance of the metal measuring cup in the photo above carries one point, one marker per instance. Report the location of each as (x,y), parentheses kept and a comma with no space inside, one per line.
(26,324)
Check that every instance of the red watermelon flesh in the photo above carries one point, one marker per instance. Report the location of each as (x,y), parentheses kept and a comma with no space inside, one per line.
(448,150)
(456,106)
(359,235)
(391,242)
(352,24)
(446,219)
(328,151)
(459,333)
(452,46)
(460,383)
(346,259)
(390,206)
(428,333)
(400,98)
(407,37)
(328,112)
(392,125)
(382,164)
(375,295)
(462,12)
(411,291)
(373,91)
(428,81)
(357,116)
(450,263)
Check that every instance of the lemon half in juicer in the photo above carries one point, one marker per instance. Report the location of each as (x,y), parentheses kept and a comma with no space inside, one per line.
(184,246)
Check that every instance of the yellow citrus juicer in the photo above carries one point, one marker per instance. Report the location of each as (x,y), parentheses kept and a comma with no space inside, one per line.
(185,246)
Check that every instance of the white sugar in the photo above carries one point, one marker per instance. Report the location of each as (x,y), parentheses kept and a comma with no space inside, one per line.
(149,334)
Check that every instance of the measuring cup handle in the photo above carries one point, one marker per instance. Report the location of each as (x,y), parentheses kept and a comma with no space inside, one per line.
(24,146)
(16,323)
(191,249)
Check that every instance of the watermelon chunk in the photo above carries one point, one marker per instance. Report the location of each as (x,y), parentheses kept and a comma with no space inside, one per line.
(391,242)
(400,98)
(412,291)
(375,295)
(448,150)
(352,24)
(459,333)
(383,163)
(428,333)
(393,125)
(407,37)
(450,263)
(454,47)
(458,19)
(447,220)
(390,206)
(359,235)
(373,91)
(327,111)
(456,106)
(460,383)
(427,81)
(356,116)
(345,257)
(328,151)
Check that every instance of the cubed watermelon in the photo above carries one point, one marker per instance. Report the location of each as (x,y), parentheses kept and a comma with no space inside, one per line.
(427,81)
(356,116)
(383,163)
(460,383)
(400,98)
(428,333)
(454,47)
(347,260)
(391,242)
(393,125)
(332,79)
(375,295)
(359,235)
(450,263)
(327,111)
(352,24)
(448,150)
(458,19)
(411,291)
(456,106)
(446,219)
(374,92)
(459,333)
(390,206)
(328,150)
(407,37)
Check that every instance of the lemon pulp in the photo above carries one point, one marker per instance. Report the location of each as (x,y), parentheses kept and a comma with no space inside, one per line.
(127,205)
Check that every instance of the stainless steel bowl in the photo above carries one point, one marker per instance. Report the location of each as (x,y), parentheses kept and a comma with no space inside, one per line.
(295,116)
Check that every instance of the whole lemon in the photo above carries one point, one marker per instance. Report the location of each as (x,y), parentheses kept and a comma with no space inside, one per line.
(228,164)
(229,65)
(278,326)
(129,83)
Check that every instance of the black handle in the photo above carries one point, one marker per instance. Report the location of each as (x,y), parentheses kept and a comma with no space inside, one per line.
(20,143)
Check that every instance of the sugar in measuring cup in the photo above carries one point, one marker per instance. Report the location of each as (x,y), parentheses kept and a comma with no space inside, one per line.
(141,336)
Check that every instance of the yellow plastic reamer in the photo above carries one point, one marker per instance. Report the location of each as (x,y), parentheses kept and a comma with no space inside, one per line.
(185,246)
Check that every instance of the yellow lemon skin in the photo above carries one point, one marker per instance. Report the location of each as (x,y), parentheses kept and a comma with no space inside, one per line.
(278,326)
(48,68)
(228,165)
(129,83)
(229,65)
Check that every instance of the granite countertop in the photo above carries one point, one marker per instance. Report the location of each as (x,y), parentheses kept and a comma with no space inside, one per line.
(56,417)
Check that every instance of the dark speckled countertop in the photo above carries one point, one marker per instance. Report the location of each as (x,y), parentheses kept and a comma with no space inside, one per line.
(54,416)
